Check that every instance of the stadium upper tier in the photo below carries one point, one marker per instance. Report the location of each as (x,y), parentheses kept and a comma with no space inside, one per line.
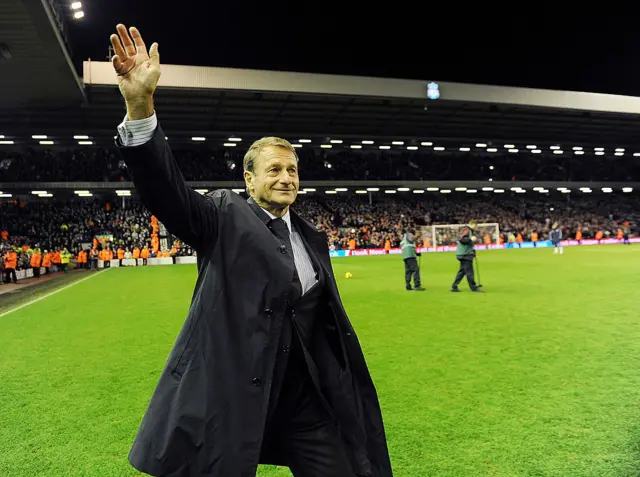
(225,164)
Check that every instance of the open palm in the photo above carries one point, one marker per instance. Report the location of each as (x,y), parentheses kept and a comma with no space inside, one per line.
(138,71)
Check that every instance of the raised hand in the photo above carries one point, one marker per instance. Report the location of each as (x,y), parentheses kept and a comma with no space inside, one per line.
(138,71)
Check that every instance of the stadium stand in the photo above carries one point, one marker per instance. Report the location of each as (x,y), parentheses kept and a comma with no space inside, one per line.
(350,222)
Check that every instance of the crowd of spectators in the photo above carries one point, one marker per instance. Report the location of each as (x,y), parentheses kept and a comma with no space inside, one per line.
(349,221)
(201,164)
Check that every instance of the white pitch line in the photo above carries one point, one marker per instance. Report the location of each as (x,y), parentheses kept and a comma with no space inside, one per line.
(49,294)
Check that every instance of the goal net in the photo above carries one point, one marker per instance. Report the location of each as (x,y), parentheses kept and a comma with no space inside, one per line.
(442,235)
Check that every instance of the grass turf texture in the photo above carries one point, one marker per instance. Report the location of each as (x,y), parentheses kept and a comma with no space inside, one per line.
(538,377)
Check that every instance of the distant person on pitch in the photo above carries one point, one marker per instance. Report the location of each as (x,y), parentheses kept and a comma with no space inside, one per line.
(267,367)
(465,253)
(409,254)
(555,236)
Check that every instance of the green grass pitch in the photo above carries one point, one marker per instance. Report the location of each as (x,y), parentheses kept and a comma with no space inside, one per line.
(538,377)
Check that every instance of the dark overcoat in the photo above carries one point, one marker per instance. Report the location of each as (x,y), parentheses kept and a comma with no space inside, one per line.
(207,414)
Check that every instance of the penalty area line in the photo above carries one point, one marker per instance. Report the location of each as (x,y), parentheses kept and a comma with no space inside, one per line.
(49,294)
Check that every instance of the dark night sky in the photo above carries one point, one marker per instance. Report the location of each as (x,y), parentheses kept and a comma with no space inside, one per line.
(538,47)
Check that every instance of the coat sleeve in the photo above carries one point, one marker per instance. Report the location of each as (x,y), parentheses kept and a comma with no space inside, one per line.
(188,215)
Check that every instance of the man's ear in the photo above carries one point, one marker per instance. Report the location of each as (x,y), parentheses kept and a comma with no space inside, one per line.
(248,180)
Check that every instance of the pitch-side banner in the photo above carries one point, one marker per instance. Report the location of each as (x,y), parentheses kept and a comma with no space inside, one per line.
(452,248)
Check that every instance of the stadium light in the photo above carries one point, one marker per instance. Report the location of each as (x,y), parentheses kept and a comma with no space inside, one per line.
(6,142)
(373,189)
(361,192)
(341,189)
(367,142)
(481,144)
(412,148)
(544,191)
(557,151)
(471,191)
(607,190)
(229,144)
(304,140)
(585,188)
(297,145)
(86,195)
(336,141)
(330,192)
(554,148)
(78,15)
(85,143)
(199,191)
(38,192)
(433,189)
(398,143)
(492,149)
(403,189)
(521,191)
(636,154)
(46,143)
(587,191)
(579,153)
(516,189)
(532,146)
(235,139)
(80,137)
(309,189)
(418,191)
(445,191)
(498,191)
(627,189)
(509,146)
(487,189)
(561,188)
(301,192)
(76,5)
(460,189)
(385,147)
(39,136)
(513,150)
(1,136)
(491,168)
(536,151)
(577,148)
(326,146)
(599,153)
(390,191)
(439,148)
(356,146)
(239,191)
(620,149)
(198,138)
(426,144)
(81,192)
(598,148)
(566,191)
(465,149)
(619,154)
(46,195)
(538,188)
(5,195)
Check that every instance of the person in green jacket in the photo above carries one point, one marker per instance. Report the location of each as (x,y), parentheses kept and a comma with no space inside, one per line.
(465,253)
(65,257)
(409,254)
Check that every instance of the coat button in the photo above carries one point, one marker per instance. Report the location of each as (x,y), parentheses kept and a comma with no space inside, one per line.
(256,381)
(268,311)
(286,349)
(283,249)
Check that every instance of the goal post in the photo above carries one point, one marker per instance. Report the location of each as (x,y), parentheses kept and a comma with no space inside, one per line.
(447,234)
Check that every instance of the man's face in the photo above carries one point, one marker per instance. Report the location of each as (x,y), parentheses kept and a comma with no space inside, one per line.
(274,181)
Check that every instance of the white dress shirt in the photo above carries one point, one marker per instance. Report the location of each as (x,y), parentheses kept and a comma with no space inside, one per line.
(138,132)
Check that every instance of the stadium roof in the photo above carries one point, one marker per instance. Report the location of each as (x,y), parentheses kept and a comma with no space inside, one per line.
(35,66)
(219,102)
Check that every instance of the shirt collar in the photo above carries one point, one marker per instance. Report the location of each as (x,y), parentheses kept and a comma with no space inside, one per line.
(286,217)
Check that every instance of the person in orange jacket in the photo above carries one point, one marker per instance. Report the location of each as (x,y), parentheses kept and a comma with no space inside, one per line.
(10,264)
(36,260)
